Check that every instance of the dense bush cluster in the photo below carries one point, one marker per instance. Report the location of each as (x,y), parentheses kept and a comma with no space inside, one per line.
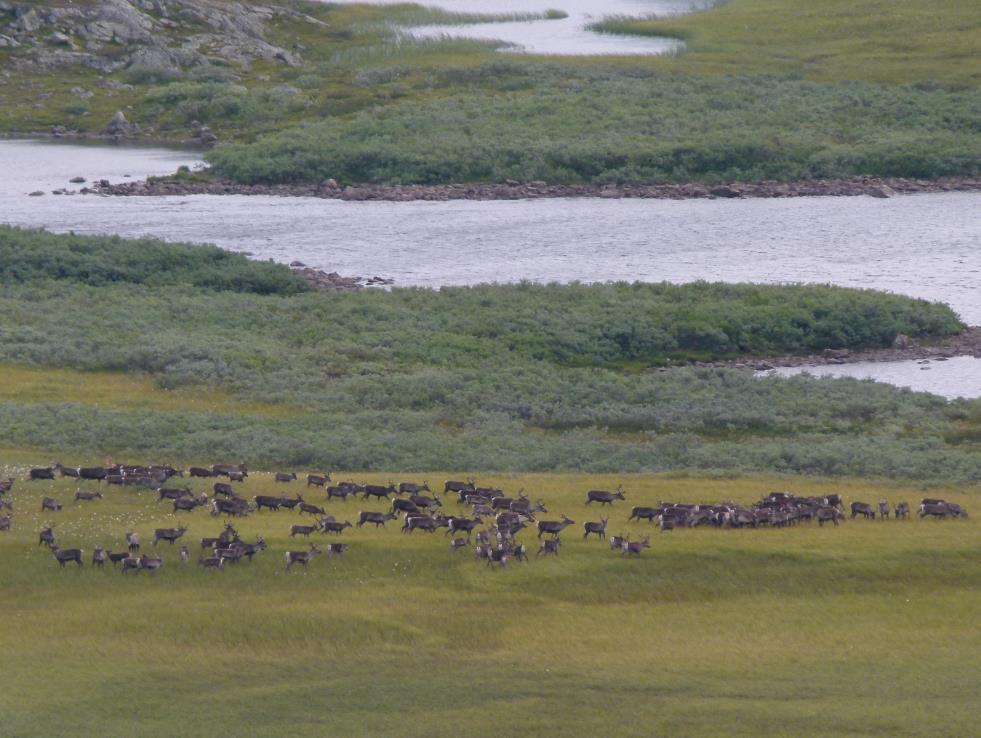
(580,126)
(30,256)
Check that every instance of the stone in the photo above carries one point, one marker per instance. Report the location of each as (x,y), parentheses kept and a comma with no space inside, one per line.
(724,191)
(118,126)
(329,184)
(28,19)
(880,191)
(206,135)
(59,39)
(77,180)
(36,193)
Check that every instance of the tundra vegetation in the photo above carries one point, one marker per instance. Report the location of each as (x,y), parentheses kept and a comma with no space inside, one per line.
(763,90)
(708,631)
(105,353)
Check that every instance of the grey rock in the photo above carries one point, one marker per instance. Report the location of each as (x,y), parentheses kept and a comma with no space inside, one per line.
(77,180)
(28,19)
(59,39)
(880,191)
(118,126)
(36,193)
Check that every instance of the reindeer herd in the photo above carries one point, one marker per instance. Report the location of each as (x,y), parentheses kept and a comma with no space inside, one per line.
(489,523)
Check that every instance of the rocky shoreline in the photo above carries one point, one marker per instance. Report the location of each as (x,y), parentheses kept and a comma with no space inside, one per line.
(904,348)
(321,280)
(881,187)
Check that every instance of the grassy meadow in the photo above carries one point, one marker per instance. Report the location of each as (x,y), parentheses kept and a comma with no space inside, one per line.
(867,629)
(765,89)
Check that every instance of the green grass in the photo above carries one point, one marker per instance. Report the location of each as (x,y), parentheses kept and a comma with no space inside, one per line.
(867,629)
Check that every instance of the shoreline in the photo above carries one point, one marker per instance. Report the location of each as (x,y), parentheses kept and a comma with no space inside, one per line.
(879,187)
(966,343)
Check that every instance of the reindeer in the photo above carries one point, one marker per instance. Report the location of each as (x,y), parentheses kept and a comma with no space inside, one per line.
(236,506)
(318,480)
(5,522)
(549,547)
(64,555)
(333,526)
(375,517)
(337,549)
(424,502)
(291,502)
(457,543)
(413,489)
(49,503)
(617,542)
(526,507)
(6,485)
(151,563)
(301,557)
(825,514)
(422,522)
(266,501)
(603,497)
(285,477)
(306,507)
(211,562)
(87,496)
(251,549)
(404,506)
(864,509)
(554,527)
(46,537)
(224,489)
(599,529)
(341,490)
(902,511)
(189,503)
(633,548)
(132,563)
(47,472)
(185,555)
(375,490)
(302,530)
(197,471)
(98,557)
(456,525)
(168,534)
(884,509)
(172,493)
(933,509)
(644,513)
(461,488)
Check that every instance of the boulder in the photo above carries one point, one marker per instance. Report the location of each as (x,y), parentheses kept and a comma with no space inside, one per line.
(59,39)
(118,126)
(724,191)
(77,180)
(28,19)
(880,191)
(901,341)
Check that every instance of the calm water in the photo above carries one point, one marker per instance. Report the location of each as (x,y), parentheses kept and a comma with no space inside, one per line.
(565,36)
(922,245)
(956,377)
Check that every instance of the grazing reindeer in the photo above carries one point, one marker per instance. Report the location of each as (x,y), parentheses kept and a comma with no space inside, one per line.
(554,527)
(458,543)
(189,503)
(549,547)
(98,557)
(337,549)
(603,497)
(375,490)
(884,509)
(87,496)
(285,477)
(599,529)
(185,554)
(224,489)
(333,526)
(902,511)
(49,503)
(634,548)
(168,534)
(64,555)
(303,530)
(301,557)
(211,562)
(318,480)
(864,509)
(46,537)
(375,517)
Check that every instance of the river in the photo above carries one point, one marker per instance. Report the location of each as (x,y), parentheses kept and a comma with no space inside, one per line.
(923,245)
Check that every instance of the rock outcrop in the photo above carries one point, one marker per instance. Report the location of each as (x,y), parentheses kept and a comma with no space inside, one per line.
(162,34)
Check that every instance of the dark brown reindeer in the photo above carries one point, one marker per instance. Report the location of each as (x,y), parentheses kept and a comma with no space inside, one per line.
(285,476)
(266,501)
(168,534)
(46,537)
(211,562)
(375,490)
(633,548)
(457,543)
(302,530)
(413,489)
(375,517)
(902,511)
(404,506)
(933,509)
(172,493)
(236,506)
(616,542)
(97,473)
(47,472)
(151,563)
(337,549)
(198,471)
(64,555)
(251,549)
(224,489)
(644,513)
(333,526)
(554,527)
(225,470)
(301,557)
(465,525)
(603,497)
(188,504)
(50,503)
(87,496)
(342,491)
(864,509)
(549,547)
(824,514)
(420,522)
(306,507)
(228,535)
(461,488)
(237,476)
(598,529)
(132,563)
(115,558)
(291,502)
(318,480)
(424,502)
